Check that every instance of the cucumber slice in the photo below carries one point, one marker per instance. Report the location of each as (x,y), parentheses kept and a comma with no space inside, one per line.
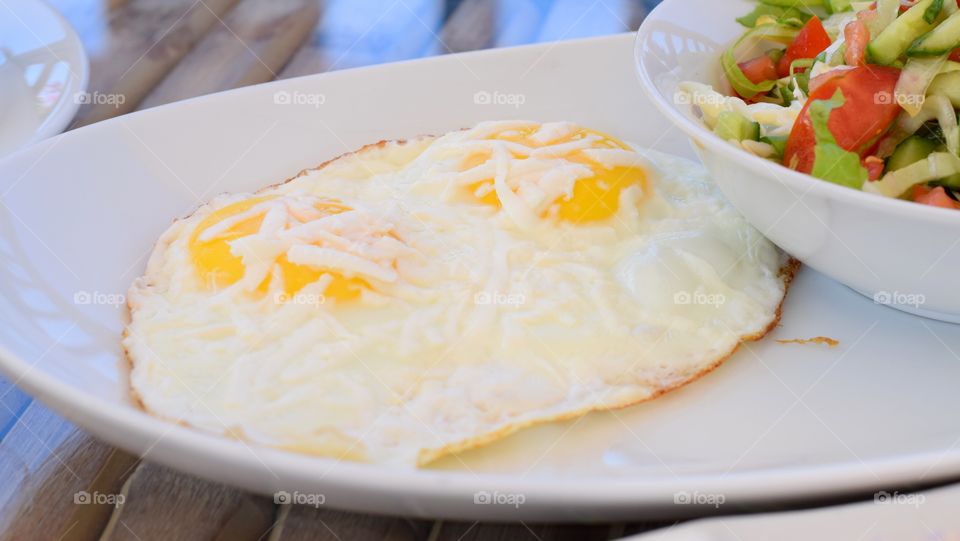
(911,151)
(947,85)
(887,47)
(731,125)
(952,182)
(941,40)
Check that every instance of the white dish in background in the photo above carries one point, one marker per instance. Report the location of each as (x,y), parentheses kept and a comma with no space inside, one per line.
(74,232)
(900,516)
(43,73)
(900,253)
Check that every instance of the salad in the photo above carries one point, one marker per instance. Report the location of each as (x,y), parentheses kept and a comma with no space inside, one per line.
(861,94)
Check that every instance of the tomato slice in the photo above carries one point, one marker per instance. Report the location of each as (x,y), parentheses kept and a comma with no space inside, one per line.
(936,197)
(868,111)
(759,69)
(955,55)
(811,41)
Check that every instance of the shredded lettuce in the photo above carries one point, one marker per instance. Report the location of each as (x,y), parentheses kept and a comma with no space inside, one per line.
(831,162)
(914,80)
(772,32)
(936,166)
(935,107)
(781,14)
(947,85)
(773,119)
(947,118)
(887,11)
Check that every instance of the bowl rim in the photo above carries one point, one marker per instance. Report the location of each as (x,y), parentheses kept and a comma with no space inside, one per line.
(800,184)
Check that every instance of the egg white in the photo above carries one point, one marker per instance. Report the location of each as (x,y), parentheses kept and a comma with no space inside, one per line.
(496,318)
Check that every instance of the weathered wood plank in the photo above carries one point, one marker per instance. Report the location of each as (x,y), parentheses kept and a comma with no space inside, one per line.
(635,528)
(133,45)
(363,32)
(476,531)
(56,480)
(13,402)
(250,45)
(160,503)
(305,523)
(470,26)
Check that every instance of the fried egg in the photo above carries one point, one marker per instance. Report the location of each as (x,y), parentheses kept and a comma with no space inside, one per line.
(418,298)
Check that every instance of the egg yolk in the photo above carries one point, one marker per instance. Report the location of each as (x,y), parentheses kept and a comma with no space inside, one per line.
(594,198)
(217,266)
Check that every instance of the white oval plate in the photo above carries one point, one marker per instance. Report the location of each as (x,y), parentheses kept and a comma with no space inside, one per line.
(777,422)
(43,73)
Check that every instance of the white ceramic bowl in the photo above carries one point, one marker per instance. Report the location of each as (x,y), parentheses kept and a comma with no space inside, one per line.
(900,253)
(43,73)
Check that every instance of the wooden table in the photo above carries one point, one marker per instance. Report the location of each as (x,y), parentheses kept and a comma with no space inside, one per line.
(159,51)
